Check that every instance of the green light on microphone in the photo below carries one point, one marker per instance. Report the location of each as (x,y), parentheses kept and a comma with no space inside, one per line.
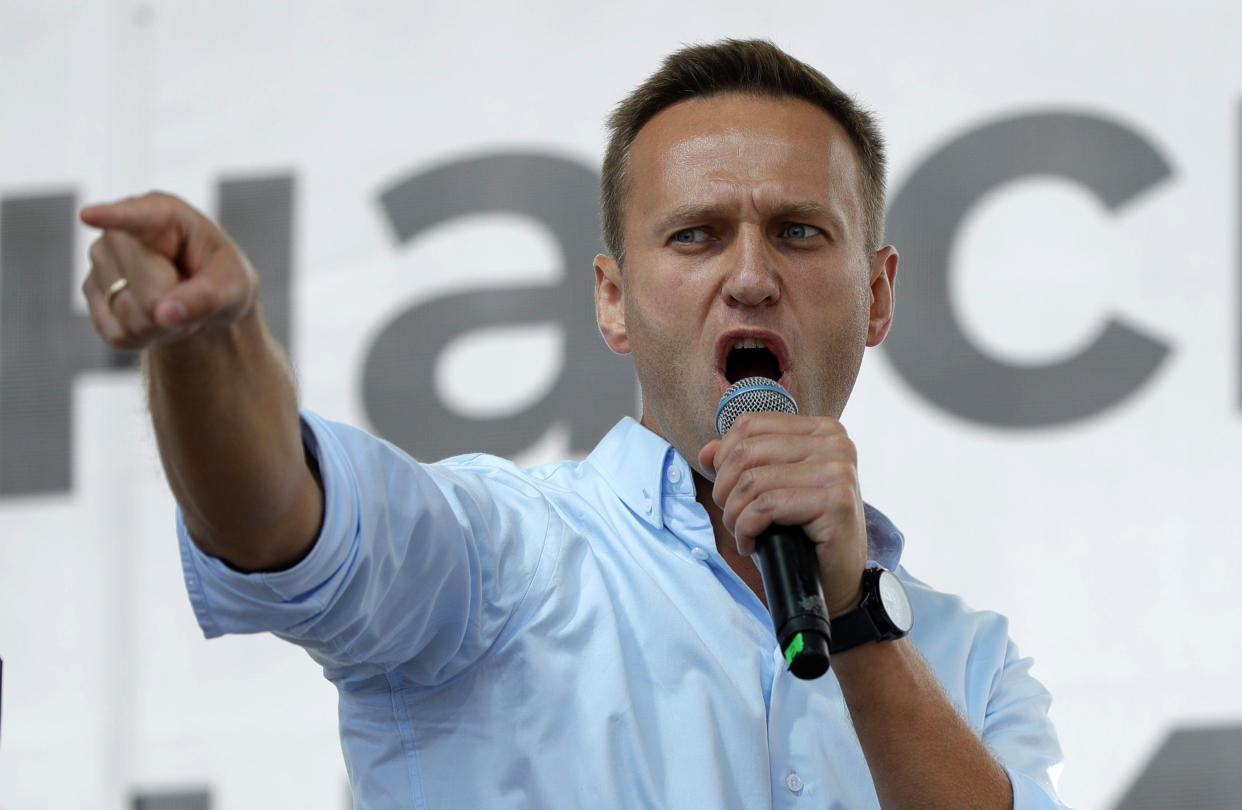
(795,647)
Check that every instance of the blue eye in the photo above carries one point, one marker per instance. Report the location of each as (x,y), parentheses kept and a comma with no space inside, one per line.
(688,236)
(800,230)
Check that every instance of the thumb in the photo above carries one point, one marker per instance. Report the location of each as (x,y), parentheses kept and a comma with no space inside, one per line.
(171,312)
(205,297)
(707,456)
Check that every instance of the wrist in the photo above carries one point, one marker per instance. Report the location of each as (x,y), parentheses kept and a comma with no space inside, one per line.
(848,604)
(882,612)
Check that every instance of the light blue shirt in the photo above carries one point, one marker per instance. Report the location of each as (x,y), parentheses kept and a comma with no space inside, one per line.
(568,637)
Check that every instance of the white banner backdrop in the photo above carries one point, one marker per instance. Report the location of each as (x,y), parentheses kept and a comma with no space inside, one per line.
(1110,539)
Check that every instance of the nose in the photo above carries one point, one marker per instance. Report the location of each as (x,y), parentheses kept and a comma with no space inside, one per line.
(752,279)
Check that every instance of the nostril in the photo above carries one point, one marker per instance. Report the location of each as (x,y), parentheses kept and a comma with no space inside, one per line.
(753,289)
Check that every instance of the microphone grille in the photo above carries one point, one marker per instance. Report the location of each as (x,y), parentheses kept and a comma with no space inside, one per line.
(751,395)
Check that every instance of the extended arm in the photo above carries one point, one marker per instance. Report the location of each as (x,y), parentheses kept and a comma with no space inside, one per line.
(221,394)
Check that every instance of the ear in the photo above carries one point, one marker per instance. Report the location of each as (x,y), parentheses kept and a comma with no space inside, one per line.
(610,304)
(883,288)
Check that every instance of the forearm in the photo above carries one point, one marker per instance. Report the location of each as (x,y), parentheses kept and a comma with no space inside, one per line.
(224,408)
(920,752)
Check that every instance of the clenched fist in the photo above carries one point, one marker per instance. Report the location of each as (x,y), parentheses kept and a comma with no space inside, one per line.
(161,271)
(778,468)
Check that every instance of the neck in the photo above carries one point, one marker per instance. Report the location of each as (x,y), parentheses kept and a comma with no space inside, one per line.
(744,567)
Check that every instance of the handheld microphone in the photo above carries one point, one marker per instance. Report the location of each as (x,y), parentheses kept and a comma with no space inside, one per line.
(787,561)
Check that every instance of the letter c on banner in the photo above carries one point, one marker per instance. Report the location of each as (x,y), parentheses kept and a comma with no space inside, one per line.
(927,344)
(595,387)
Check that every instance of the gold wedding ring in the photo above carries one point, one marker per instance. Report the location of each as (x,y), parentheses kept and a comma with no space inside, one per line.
(114,289)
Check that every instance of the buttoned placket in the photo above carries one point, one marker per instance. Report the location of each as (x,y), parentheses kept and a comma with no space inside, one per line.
(687,521)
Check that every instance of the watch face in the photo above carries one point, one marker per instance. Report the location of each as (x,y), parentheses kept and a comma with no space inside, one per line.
(896,603)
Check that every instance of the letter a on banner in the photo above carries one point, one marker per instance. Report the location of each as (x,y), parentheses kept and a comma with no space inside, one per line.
(595,387)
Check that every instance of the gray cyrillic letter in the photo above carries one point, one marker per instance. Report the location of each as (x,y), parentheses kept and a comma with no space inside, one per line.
(927,344)
(595,387)
(45,343)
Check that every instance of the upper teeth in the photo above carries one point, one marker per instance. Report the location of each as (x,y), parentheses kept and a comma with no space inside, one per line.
(749,343)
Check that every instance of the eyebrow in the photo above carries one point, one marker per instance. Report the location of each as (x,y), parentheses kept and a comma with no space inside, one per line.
(688,213)
(694,212)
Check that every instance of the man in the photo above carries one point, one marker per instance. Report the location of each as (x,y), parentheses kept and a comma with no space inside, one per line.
(594,633)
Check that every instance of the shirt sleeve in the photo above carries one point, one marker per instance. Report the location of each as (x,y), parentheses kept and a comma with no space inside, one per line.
(415,565)
(979,667)
(1018,730)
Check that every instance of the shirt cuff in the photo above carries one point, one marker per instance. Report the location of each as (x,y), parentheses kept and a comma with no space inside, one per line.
(226,600)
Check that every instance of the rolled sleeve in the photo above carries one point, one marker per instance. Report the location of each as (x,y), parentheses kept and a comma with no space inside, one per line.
(415,565)
(226,600)
(991,684)
(1018,729)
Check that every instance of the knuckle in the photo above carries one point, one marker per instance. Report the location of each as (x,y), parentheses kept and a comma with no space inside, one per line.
(97,252)
(839,500)
(747,482)
(836,446)
(97,321)
(836,474)
(846,447)
(744,452)
(744,423)
(752,520)
(126,334)
(831,429)
(160,197)
(118,338)
(765,503)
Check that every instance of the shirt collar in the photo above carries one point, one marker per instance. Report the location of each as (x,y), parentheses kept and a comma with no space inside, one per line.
(632,461)
(638,465)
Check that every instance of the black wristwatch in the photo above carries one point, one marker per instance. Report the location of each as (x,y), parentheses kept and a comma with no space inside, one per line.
(883,613)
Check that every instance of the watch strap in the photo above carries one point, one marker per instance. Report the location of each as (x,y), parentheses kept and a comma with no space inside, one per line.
(851,630)
(869,621)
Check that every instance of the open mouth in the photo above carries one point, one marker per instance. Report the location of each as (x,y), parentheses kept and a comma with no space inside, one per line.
(749,357)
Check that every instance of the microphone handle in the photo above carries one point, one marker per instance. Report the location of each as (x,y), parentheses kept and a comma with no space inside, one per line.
(790,572)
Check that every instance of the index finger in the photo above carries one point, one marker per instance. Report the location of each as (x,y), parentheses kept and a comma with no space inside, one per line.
(161,221)
(755,423)
(768,436)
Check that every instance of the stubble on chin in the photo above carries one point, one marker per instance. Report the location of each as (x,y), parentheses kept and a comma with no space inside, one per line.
(676,404)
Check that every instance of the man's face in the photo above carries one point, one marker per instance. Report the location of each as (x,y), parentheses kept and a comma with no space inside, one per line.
(743,228)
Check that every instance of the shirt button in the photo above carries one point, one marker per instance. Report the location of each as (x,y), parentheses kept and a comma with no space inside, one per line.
(674,474)
(794,783)
(699,553)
